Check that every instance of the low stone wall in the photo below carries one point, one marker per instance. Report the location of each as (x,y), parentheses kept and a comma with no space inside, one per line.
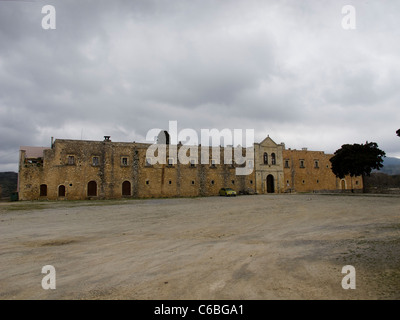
(382,183)
(381,190)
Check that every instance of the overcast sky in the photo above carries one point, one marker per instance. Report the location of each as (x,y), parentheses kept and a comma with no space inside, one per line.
(120,68)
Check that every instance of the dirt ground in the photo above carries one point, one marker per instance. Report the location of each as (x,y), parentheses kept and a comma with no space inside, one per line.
(248,247)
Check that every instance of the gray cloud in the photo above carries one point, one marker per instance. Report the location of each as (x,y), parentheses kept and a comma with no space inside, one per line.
(120,68)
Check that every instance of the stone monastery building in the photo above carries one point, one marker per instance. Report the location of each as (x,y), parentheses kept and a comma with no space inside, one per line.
(79,169)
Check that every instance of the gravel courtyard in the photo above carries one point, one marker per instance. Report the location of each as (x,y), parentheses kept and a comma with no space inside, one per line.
(247,247)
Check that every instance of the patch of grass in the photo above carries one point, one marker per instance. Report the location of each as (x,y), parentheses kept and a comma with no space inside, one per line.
(359,194)
(50,243)
(52,204)
(391,226)
(23,207)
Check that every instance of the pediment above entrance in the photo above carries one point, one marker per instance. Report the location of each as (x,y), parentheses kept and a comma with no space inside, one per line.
(268,142)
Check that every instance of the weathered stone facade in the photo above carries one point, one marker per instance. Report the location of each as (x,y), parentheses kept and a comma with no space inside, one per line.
(310,171)
(77,169)
(268,166)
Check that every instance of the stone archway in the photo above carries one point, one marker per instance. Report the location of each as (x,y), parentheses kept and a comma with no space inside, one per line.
(126,188)
(61,191)
(270,184)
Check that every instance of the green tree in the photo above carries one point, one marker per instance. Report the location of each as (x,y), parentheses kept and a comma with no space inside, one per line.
(357,160)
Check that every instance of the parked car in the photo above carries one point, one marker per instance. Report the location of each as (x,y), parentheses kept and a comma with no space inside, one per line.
(228,192)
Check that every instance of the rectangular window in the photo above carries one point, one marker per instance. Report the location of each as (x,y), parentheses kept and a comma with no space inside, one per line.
(302,164)
(95,161)
(286,163)
(71,159)
(124,161)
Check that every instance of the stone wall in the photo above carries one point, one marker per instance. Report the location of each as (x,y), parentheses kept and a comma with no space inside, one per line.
(77,169)
(73,165)
(310,171)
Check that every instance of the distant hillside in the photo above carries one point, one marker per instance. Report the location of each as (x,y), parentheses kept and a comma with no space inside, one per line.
(391,166)
(8,183)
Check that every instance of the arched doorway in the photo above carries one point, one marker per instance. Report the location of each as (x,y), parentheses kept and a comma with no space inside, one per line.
(343,184)
(126,188)
(61,191)
(270,184)
(92,189)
